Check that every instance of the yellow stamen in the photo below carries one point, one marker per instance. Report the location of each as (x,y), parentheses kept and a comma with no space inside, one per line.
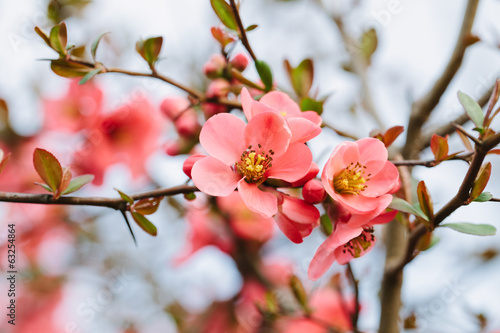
(253,165)
(351,180)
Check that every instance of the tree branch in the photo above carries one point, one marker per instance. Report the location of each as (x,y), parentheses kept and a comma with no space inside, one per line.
(114,203)
(243,35)
(422,108)
(354,282)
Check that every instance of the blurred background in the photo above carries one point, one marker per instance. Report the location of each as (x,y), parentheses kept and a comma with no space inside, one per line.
(79,270)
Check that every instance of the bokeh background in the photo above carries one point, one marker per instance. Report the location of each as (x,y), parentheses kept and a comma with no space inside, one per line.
(90,255)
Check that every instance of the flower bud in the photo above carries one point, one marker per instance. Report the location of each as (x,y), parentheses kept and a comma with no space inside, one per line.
(187,124)
(189,162)
(218,88)
(313,192)
(211,109)
(172,107)
(239,62)
(215,66)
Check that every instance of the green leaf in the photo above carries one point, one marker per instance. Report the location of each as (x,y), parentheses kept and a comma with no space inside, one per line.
(68,68)
(95,44)
(369,42)
(265,74)
(147,206)
(149,49)
(301,77)
(326,224)
(473,109)
(425,200)
(309,104)
(225,13)
(251,27)
(43,35)
(472,229)
(90,75)
(48,168)
(145,224)
(483,197)
(58,38)
(481,181)
(125,197)
(44,186)
(404,206)
(298,291)
(77,183)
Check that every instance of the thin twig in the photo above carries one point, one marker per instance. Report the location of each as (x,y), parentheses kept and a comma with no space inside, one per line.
(422,108)
(354,282)
(128,225)
(243,35)
(340,132)
(467,134)
(432,163)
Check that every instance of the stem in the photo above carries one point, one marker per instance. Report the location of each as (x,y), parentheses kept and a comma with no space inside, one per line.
(431,163)
(355,315)
(243,35)
(340,132)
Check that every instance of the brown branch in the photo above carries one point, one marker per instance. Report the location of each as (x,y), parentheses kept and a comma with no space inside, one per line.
(432,163)
(114,203)
(354,282)
(340,132)
(422,108)
(243,35)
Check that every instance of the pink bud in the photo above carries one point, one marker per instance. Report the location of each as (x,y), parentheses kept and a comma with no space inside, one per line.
(211,109)
(240,62)
(187,124)
(215,66)
(173,106)
(313,171)
(313,192)
(218,88)
(189,162)
(173,148)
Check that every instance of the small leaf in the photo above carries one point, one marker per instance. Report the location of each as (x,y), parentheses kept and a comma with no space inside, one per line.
(58,38)
(392,134)
(472,229)
(298,291)
(483,197)
(48,168)
(225,13)
(95,44)
(147,206)
(425,200)
(326,224)
(44,186)
(309,104)
(481,181)
(369,42)
(77,183)
(251,27)
(301,77)
(43,35)
(90,75)
(495,95)
(125,197)
(150,49)
(494,151)
(404,206)
(439,147)
(221,36)
(265,74)
(3,160)
(68,68)
(473,109)
(465,140)
(65,180)
(144,223)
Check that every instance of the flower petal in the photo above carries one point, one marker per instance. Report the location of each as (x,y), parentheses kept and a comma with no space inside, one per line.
(288,228)
(293,164)
(373,154)
(344,257)
(371,218)
(246,103)
(269,130)
(302,129)
(282,103)
(314,117)
(222,137)
(299,211)
(382,182)
(356,204)
(264,203)
(213,177)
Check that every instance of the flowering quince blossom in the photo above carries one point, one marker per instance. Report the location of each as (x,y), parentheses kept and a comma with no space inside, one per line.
(296,218)
(243,156)
(351,238)
(359,177)
(304,125)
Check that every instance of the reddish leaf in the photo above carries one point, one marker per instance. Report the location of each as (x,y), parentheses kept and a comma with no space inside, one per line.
(439,147)
(465,140)
(425,200)
(494,151)
(3,160)
(66,179)
(149,49)
(58,38)
(481,181)
(492,102)
(147,206)
(221,36)
(392,134)
(48,168)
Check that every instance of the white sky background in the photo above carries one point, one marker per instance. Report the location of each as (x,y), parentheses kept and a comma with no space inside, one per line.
(414,45)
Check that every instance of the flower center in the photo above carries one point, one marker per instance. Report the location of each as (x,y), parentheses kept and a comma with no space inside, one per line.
(253,164)
(359,244)
(351,180)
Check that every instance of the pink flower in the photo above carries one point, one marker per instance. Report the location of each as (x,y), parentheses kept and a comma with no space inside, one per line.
(351,238)
(180,112)
(304,125)
(245,223)
(74,111)
(243,156)
(296,218)
(359,177)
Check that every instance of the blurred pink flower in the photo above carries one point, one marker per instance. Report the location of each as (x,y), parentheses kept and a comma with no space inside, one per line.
(76,110)
(304,125)
(245,223)
(215,66)
(129,134)
(243,156)
(182,115)
(359,177)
